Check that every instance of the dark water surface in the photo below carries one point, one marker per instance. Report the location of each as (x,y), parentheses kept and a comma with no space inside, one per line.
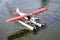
(15,31)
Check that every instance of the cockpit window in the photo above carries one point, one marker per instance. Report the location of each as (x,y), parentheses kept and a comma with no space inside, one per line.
(29,16)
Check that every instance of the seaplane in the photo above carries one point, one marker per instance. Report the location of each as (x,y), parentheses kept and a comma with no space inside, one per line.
(28,20)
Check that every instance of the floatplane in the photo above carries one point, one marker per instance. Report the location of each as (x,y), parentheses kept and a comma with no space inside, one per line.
(28,19)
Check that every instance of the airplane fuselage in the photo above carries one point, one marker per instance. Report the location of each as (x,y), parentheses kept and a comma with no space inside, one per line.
(32,19)
(28,17)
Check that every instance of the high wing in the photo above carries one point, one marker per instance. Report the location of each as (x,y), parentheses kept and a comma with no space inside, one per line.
(21,17)
(16,18)
(39,11)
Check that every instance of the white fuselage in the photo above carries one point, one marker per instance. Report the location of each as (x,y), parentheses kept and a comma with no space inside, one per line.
(32,19)
(26,25)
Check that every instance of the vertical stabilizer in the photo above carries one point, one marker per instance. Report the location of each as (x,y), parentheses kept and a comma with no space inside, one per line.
(17,10)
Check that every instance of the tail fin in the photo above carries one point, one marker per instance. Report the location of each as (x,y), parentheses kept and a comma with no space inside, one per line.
(17,10)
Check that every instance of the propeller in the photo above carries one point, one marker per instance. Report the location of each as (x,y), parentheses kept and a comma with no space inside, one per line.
(21,17)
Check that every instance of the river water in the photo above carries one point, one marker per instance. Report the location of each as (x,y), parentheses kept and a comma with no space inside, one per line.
(15,31)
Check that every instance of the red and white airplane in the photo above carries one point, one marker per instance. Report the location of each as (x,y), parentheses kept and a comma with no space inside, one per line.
(24,18)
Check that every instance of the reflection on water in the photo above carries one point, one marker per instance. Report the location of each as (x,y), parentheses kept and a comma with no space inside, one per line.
(24,33)
(18,34)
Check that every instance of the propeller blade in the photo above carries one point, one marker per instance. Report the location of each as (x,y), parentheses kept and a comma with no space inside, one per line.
(16,18)
(39,11)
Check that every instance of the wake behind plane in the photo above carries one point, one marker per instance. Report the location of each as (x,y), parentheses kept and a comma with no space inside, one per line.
(28,19)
